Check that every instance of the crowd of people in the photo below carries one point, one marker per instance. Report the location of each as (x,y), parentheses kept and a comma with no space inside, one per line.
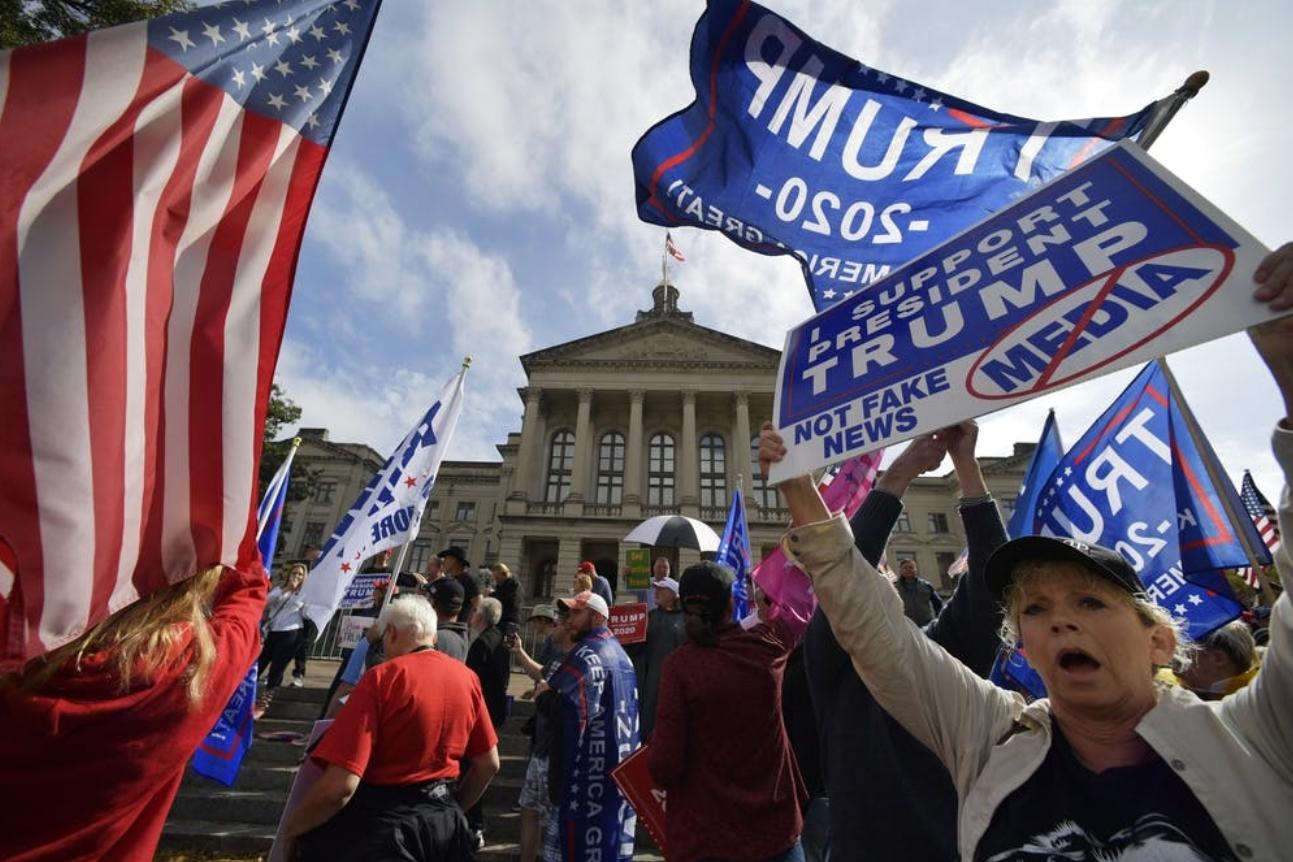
(874,735)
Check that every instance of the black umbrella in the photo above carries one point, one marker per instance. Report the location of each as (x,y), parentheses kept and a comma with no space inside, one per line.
(677,531)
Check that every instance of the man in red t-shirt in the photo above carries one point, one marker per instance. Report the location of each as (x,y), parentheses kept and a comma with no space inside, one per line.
(393,754)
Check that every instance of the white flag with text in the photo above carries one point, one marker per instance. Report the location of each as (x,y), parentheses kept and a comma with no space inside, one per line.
(389,510)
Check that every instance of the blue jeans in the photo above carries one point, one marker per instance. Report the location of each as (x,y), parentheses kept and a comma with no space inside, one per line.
(817,830)
(794,854)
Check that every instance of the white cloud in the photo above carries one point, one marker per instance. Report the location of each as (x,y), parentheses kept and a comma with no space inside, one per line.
(420,300)
(529,111)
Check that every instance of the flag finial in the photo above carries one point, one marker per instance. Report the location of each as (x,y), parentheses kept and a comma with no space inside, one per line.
(466,362)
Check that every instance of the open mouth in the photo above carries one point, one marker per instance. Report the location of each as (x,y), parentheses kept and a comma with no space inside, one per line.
(1077,661)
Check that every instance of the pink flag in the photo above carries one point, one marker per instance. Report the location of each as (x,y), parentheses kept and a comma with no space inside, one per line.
(787,585)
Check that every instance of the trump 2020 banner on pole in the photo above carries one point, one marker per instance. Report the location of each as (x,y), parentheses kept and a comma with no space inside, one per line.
(1137,482)
(388,512)
(792,147)
(1114,263)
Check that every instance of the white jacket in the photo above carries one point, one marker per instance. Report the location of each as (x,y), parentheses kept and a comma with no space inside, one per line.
(1236,755)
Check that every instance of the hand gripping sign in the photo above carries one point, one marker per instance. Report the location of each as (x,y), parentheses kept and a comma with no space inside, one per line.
(1113,263)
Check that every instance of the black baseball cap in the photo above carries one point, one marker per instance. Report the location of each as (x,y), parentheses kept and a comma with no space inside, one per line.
(447,592)
(1100,561)
(707,580)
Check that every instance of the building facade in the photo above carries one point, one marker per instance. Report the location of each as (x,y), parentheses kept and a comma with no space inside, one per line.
(658,416)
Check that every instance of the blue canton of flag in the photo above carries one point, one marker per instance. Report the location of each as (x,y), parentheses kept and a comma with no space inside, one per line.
(220,755)
(1048,453)
(792,147)
(734,552)
(1137,482)
(292,60)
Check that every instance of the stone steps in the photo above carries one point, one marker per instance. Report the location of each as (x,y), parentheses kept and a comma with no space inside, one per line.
(240,821)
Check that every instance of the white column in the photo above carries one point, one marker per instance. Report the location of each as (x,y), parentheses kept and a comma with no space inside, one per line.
(688,480)
(633,457)
(583,449)
(530,444)
(741,432)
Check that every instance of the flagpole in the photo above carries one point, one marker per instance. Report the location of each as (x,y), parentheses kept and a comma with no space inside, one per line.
(664,261)
(1215,477)
(1173,103)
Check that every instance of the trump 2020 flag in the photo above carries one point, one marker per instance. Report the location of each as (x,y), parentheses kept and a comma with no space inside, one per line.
(1137,482)
(792,147)
(156,181)
(1011,670)
(734,552)
(388,512)
(1048,453)
(220,755)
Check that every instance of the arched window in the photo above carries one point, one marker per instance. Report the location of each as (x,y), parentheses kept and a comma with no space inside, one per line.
(561,462)
(765,495)
(610,468)
(660,459)
(713,472)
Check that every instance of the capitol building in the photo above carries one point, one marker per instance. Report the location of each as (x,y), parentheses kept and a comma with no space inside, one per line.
(658,416)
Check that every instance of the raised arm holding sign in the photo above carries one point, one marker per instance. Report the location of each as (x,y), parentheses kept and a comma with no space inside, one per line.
(1114,263)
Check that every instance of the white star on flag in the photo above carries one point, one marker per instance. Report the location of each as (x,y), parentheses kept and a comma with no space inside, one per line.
(181,38)
(212,32)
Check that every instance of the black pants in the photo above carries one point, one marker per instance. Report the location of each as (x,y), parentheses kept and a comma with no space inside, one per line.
(308,635)
(411,823)
(276,655)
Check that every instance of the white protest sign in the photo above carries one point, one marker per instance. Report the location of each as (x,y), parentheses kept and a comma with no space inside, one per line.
(1109,265)
(352,628)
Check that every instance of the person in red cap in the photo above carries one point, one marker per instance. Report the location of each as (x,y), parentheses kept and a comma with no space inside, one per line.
(592,706)
(601,586)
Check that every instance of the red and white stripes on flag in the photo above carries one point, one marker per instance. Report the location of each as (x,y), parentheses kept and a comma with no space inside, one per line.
(672,249)
(149,228)
(1260,511)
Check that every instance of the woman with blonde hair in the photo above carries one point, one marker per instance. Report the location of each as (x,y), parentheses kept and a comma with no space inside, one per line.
(97,732)
(1111,764)
(283,626)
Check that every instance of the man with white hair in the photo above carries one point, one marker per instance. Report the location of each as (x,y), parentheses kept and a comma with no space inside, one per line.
(394,754)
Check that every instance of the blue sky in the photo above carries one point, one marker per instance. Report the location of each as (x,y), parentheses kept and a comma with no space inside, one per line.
(479,197)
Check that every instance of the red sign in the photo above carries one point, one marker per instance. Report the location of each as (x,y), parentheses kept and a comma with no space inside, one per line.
(634,780)
(629,623)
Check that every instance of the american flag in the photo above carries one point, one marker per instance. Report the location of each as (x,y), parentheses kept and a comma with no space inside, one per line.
(156,182)
(1260,511)
(672,249)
